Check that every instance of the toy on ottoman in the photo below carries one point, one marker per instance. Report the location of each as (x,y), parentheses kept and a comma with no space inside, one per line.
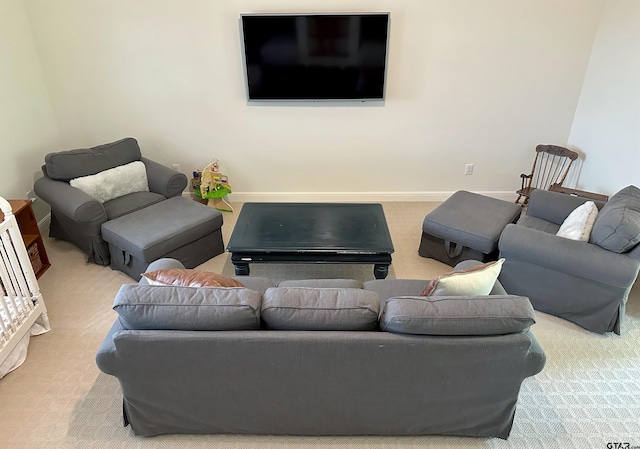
(466,226)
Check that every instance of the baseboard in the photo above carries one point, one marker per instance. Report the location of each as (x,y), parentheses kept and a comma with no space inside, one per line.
(341,197)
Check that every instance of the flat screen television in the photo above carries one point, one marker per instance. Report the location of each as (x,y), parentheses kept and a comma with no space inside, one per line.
(315,57)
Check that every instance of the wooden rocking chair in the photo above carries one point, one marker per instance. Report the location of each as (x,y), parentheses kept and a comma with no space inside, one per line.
(550,166)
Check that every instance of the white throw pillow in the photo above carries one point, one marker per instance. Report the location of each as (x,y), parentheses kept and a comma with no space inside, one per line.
(474,281)
(115,182)
(578,225)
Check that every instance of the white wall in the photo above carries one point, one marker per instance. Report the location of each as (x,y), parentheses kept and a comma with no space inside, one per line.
(477,82)
(607,122)
(27,125)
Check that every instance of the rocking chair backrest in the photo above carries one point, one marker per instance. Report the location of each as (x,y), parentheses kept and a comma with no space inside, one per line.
(551,165)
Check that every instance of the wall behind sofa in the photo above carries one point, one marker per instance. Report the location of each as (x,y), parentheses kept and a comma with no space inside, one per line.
(607,122)
(27,124)
(477,82)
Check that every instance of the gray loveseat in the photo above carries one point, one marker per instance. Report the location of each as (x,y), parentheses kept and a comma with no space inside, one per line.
(586,283)
(319,357)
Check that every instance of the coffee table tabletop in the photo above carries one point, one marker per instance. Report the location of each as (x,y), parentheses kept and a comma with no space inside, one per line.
(311,233)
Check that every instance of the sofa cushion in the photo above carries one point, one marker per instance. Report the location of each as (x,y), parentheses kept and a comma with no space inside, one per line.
(386,288)
(132,202)
(617,226)
(66,165)
(114,182)
(257,283)
(322,283)
(189,278)
(538,224)
(457,316)
(579,223)
(318,309)
(472,281)
(147,307)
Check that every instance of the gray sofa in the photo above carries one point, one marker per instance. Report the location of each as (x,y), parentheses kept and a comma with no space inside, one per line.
(379,360)
(586,283)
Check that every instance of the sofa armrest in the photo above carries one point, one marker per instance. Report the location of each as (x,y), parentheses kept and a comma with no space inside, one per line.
(166,263)
(552,206)
(105,356)
(576,258)
(537,358)
(164,180)
(69,201)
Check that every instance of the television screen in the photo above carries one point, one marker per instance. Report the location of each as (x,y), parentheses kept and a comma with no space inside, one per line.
(315,56)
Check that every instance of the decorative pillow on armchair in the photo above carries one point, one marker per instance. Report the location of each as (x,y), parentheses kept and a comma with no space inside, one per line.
(474,281)
(578,225)
(114,182)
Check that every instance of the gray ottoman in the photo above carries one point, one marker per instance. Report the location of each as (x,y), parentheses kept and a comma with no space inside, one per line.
(179,228)
(466,226)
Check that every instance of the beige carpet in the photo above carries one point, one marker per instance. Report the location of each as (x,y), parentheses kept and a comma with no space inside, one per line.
(587,396)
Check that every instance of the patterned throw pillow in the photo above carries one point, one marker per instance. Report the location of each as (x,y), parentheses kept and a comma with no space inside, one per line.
(474,281)
(189,278)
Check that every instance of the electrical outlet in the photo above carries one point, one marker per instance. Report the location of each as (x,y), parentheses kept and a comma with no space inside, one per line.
(175,167)
(468,169)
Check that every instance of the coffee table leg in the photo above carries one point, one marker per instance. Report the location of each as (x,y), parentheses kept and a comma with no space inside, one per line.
(242,269)
(380,271)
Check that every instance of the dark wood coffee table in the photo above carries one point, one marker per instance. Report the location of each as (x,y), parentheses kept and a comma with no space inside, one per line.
(311,233)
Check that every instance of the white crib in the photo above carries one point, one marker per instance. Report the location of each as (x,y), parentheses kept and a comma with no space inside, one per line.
(22,309)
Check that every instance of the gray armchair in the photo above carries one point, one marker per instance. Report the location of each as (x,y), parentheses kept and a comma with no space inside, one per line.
(76,216)
(586,283)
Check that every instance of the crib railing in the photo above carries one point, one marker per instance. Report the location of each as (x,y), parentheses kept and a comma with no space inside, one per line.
(21,303)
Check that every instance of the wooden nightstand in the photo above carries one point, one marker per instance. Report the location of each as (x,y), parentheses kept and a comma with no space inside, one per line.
(31,235)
